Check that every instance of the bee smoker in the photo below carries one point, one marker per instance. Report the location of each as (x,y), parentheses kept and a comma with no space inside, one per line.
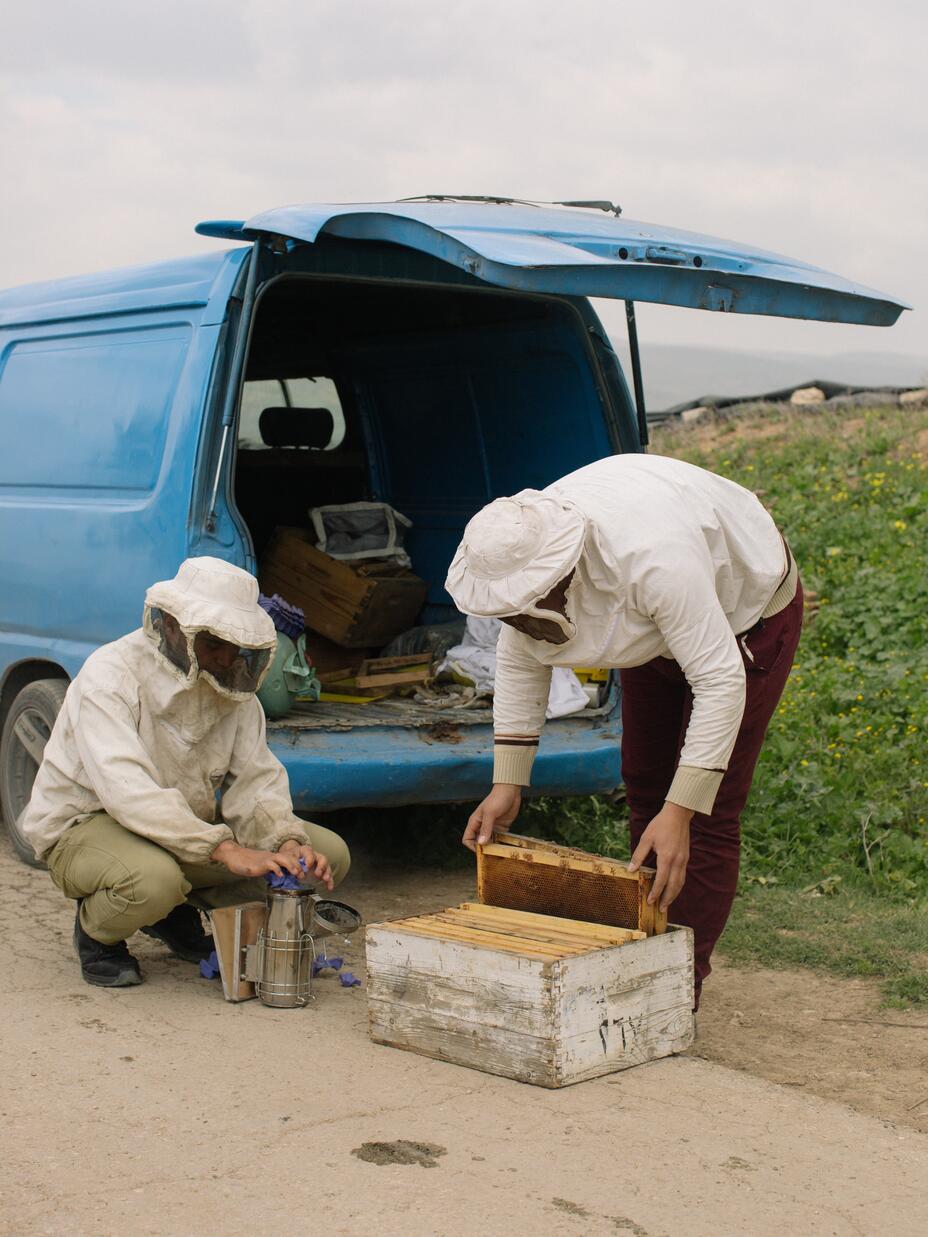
(279,962)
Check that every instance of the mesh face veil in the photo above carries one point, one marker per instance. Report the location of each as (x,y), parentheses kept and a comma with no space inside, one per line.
(178,651)
(243,677)
(236,677)
(206,623)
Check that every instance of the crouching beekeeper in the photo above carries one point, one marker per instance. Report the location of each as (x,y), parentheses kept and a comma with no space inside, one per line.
(681,580)
(157,794)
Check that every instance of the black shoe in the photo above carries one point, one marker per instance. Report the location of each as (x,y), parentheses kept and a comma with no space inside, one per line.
(182,932)
(107,966)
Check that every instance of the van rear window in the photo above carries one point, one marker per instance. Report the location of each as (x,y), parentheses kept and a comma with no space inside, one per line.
(295,393)
(91,411)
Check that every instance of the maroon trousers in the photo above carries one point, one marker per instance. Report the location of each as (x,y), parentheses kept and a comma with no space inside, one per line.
(656,704)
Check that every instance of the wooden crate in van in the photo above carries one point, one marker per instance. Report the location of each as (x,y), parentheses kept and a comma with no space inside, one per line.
(355,605)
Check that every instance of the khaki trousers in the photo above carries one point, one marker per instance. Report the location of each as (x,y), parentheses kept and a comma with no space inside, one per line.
(127,882)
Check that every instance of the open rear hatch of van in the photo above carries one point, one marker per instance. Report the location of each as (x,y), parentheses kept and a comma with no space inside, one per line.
(583,253)
(453,347)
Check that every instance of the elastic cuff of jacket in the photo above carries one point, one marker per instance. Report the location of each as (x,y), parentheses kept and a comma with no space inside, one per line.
(512,765)
(695,788)
(289,835)
(785,592)
(224,834)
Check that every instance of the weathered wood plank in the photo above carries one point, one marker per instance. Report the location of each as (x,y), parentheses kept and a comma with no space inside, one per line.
(522,932)
(595,931)
(602,866)
(493,1050)
(626,1007)
(475,985)
(651,919)
(460,996)
(485,940)
(290,548)
(524,842)
(394,671)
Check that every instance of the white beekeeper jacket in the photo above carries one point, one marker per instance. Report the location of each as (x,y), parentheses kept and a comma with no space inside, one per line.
(152,744)
(670,561)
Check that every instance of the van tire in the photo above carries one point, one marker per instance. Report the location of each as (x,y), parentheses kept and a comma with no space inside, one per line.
(32,716)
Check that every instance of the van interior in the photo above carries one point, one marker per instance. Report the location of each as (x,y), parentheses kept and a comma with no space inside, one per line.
(432,399)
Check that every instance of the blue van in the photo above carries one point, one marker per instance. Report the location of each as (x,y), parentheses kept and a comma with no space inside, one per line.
(450,348)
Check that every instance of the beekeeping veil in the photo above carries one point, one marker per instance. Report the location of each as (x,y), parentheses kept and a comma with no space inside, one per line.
(512,555)
(211,596)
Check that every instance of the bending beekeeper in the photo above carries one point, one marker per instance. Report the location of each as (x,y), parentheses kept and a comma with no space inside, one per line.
(681,580)
(157,794)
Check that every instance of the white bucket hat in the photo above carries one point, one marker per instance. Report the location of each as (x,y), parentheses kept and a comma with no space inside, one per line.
(210,595)
(513,553)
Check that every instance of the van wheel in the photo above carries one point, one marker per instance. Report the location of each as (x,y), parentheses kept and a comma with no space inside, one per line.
(22,744)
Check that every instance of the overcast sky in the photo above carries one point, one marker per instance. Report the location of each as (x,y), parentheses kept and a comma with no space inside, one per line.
(798,127)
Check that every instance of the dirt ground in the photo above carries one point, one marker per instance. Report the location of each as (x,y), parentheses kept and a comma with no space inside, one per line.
(828,1036)
(163,1110)
(825,1035)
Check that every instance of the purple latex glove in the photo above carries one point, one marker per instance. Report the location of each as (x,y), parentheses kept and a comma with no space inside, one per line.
(347,980)
(327,964)
(286,880)
(209,967)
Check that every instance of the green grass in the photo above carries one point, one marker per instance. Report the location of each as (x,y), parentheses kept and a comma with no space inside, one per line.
(842,784)
(852,932)
(840,799)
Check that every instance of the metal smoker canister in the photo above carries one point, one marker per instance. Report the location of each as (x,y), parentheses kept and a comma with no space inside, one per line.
(284,949)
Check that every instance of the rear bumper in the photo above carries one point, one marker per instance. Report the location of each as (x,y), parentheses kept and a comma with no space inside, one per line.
(389,766)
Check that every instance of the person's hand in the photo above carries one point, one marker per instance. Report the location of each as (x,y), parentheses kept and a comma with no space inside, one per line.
(668,835)
(317,866)
(498,810)
(246,861)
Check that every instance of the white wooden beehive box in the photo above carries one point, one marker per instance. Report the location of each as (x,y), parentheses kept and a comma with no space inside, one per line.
(539,998)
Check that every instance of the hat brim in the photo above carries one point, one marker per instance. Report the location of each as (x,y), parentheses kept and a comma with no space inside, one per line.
(502,596)
(248,627)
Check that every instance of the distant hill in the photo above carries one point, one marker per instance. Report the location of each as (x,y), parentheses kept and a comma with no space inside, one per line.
(675,373)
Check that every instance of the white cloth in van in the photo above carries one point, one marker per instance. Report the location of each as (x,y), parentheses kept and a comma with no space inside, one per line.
(137,739)
(475,657)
